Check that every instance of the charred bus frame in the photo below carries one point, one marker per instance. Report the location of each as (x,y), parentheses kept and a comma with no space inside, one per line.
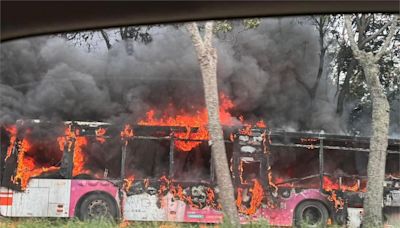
(264,142)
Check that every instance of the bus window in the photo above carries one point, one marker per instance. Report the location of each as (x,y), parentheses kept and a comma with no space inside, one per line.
(32,151)
(290,162)
(103,158)
(251,170)
(393,164)
(193,165)
(342,163)
(147,158)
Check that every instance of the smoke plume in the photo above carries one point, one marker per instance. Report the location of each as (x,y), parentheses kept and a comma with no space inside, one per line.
(265,71)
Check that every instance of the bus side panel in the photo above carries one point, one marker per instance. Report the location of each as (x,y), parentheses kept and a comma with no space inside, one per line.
(81,187)
(59,197)
(283,215)
(41,198)
(354,217)
(179,211)
(145,207)
(204,215)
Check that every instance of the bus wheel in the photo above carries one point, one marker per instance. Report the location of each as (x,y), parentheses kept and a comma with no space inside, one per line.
(97,206)
(311,214)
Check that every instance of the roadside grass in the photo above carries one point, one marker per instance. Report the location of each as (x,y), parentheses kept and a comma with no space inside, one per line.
(75,223)
(48,223)
(72,223)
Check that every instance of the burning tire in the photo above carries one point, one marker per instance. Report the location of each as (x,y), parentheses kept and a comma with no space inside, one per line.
(311,214)
(97,206)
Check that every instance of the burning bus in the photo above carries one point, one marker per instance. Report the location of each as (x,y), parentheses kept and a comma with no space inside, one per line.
(154,171)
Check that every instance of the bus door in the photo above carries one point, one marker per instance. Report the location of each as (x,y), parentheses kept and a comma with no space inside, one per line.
(249,161)
(147,159)
(169,184)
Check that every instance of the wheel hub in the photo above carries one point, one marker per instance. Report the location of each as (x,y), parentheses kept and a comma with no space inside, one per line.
(312,216)
(98,208)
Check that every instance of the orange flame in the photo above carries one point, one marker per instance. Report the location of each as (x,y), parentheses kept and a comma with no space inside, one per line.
(329,185)
(80,143)
(246,130)
(26,166)
(12,130)
(177,192)
(79,158)
(127,132)
(270,179)
(211,199)
(195,124)
(241,171)
(257,195)
(261,124)
(100,135)
(128,183)
(339,202)
(164,185)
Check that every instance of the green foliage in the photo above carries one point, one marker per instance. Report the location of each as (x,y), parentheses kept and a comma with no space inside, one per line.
(251,23)
(223,26)
(48,223)
(258,224)
(226,26)
(356,92)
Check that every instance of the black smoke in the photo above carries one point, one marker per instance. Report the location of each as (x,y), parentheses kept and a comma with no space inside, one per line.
(263,70)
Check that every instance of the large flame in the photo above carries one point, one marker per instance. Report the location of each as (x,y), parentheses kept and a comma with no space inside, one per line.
(257,195)
(26,165)
(332,187)
(79,143)
(329,185)
(195,123)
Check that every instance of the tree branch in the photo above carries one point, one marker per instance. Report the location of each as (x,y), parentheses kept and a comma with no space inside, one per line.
(389,37)
(106,39)
(302,83)
(350,34)
(195,35)
(208,34)
(373,36)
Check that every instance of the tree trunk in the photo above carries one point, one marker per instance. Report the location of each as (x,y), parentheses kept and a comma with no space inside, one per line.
(380,126)
(207,57)
(344,91)
(106,38)
(378,144)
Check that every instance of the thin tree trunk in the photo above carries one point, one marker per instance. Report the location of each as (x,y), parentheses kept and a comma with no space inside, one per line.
(106,39)
(207,57)
(380,126)
(378,145)
(346,87)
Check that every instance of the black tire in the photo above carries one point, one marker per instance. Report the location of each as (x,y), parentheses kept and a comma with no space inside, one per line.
(97,206)
(311,214)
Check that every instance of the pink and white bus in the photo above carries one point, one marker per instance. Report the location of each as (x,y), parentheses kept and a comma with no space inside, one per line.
(147,173)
